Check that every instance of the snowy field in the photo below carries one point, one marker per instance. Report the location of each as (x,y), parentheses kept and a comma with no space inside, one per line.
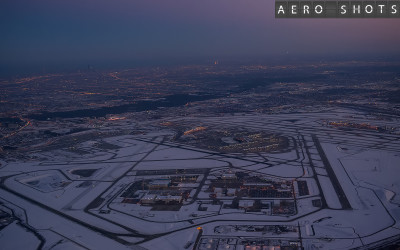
(338,188)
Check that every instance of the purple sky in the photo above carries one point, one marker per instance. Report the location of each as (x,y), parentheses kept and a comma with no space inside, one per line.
(69,31)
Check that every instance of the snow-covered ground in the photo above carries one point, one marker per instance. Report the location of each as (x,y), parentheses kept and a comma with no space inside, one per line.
(73,198)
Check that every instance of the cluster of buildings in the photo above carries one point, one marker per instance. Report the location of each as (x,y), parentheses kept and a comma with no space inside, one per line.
(366,126)
(235,184)
(214,243)
(169,190)
(150,199)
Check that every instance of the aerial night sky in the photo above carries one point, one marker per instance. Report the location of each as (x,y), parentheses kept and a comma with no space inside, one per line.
(49,32)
